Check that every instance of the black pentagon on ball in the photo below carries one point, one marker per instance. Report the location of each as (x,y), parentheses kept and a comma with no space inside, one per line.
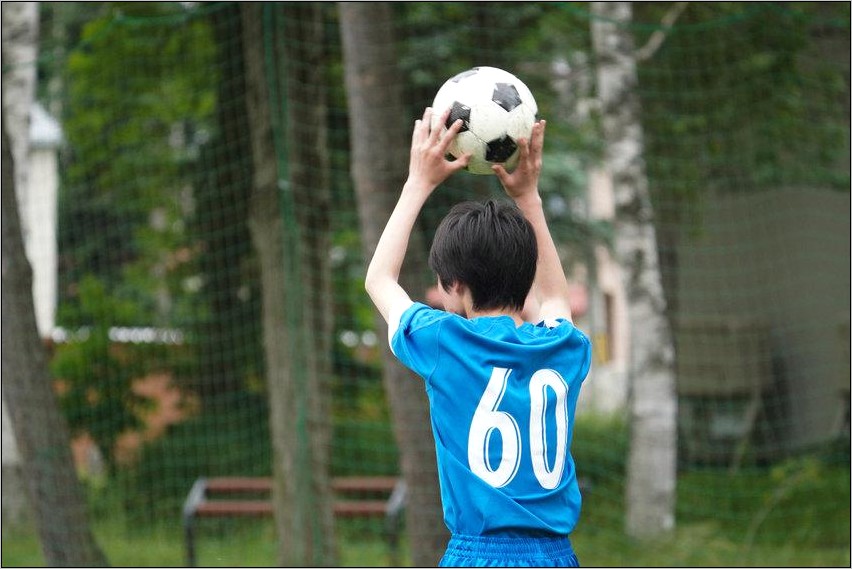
(464,74)
(500,150)
(459,111)
(506,95)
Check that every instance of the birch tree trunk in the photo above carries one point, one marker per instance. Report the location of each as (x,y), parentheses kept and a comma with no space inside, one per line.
(380,144)
(20,43)
(295,276)
(41,432)
(651,462)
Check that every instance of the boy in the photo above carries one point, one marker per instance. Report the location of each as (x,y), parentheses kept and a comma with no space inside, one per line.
(502,391)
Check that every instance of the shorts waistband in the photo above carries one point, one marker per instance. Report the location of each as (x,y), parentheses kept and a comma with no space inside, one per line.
(526,546)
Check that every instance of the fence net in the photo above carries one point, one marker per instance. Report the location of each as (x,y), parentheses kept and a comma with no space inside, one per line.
(155,297)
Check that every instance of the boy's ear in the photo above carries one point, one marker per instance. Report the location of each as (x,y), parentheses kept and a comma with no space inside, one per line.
(458,287)
(455,287)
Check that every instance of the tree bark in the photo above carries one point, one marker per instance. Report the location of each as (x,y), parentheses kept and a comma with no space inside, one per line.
(651,462)
(297,325)
(221,195)
(308,165)
(20,44)
(380,139)
(41,433)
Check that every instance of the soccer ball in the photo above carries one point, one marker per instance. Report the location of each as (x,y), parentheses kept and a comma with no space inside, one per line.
(497,109)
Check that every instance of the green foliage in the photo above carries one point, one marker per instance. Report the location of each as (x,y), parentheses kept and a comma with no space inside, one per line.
(599,448)
(225,271)
(707,130)
(135,109)
(444,38)
(94,374)
(364,446)
(208,444)
(748,518)
(781,504)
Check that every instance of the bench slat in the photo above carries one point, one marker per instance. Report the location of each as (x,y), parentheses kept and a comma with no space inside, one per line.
(364,484)
(258,508)
(232,492)
(360,508)
(222,508)
(238,484)
(223,484)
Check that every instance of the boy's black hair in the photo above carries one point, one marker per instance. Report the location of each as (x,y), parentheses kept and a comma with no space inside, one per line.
(491,248)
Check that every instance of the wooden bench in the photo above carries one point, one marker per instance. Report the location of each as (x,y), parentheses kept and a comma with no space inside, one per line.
(243,496)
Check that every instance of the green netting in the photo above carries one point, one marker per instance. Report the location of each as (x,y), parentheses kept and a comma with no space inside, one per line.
(209,283)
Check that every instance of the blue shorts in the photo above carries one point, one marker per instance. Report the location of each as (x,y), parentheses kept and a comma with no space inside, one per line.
(500,551)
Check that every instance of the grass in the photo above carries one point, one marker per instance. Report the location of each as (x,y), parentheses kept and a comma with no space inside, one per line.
(701,545)
(794,513)
(704,544)
(226,544)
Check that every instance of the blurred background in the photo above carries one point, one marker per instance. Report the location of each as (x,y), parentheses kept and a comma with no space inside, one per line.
(198,187)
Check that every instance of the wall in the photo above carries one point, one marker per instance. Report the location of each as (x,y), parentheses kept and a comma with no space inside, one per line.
(781,259)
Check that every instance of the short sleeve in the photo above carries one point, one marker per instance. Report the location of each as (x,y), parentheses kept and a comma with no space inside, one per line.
(576,343)
(586,364)
(415,342)
(394,315)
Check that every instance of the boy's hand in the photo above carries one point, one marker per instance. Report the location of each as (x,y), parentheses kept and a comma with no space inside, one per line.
(428,165)
(523,180)
(426,170)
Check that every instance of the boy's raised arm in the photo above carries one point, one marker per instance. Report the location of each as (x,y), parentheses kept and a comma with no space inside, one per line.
(427,168)
(550,285)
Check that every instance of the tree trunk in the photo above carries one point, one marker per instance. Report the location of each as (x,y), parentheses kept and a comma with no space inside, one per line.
(380,138)
(20,44)
(297,324)
(41,432)
(221,196)
(651,462)
(309,166)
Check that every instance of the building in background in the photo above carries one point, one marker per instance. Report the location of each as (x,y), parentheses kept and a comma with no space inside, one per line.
(607,323)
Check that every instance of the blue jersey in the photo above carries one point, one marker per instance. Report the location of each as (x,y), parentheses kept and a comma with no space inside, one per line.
(502,400)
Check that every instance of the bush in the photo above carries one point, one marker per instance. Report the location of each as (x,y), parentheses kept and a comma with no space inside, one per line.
(210,444)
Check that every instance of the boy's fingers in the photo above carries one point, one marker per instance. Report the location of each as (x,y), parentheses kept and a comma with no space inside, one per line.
(418,127)
(500,171)
(538,135)
(462,162)
(524,146)
(421,127)
(436,132)
(425,123)
(450,134)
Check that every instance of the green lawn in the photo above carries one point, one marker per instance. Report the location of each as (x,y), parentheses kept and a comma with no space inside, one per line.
(794,513)
(700,545)
(237,544)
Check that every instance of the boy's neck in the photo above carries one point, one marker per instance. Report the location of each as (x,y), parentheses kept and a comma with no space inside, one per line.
(470,312)
(513,314)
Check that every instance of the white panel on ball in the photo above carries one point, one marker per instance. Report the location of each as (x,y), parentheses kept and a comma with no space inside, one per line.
(498,109)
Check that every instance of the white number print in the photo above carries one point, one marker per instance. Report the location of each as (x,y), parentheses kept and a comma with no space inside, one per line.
(487,419)
(541,380)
